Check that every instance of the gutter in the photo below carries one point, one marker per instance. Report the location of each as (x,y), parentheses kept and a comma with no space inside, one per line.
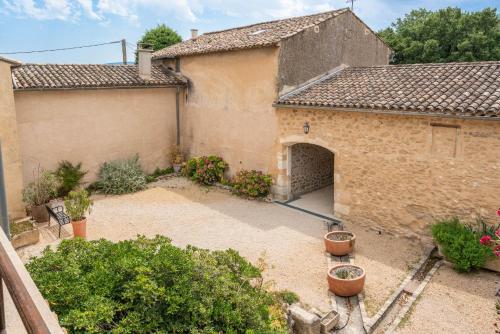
(177,116)
(388,112)
(93,88)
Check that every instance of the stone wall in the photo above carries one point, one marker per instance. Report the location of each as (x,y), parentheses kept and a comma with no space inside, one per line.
(342,40)
(400,173)
(10,142)
(311,168)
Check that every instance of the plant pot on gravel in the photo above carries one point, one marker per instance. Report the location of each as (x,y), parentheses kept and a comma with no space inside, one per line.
(346,279)
(339,243)
(38,213)
(77,204)
(177,158)
(40,192)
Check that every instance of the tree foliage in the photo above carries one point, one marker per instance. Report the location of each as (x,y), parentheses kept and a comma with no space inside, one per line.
(446,35)
(151,286)
(160,37)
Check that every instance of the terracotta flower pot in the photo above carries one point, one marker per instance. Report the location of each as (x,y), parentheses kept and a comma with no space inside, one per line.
(349,286)
(338,247)
(39,213)
(79,228)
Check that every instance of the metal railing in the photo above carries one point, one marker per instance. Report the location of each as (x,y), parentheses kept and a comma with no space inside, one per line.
(32,308)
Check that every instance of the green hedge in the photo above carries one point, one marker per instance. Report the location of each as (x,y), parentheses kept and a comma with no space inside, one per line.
(460,245)
(151,286)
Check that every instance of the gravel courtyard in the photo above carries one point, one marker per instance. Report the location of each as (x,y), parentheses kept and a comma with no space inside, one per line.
(290,242)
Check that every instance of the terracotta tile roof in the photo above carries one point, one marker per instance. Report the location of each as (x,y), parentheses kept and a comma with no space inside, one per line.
(460,89)
(56,76)
(252,36)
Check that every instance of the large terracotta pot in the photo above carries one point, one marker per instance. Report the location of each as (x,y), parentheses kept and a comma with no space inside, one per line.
(339,247)
(39,213)
(346,287)
(79,228)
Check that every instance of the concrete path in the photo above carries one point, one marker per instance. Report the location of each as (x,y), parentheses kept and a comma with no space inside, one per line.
(319,201)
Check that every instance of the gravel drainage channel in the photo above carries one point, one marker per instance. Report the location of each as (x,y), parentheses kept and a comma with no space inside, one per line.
(397,306)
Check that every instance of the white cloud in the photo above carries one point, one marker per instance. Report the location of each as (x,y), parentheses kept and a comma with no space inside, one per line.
(49,10)
(377,13)
(102,10)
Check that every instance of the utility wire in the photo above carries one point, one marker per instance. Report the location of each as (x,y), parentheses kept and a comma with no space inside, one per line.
(61,49)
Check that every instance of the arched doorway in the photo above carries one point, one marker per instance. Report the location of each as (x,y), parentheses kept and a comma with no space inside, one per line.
(311,182)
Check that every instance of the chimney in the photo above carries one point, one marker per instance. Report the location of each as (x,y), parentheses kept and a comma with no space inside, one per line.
(145,52)
(194,33)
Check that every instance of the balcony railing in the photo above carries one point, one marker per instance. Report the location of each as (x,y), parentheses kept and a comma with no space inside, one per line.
(28,301)
(32,308)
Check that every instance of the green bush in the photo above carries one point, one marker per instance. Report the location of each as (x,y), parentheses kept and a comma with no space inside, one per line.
(157,173)
(206,170)
(460,245)
(70,176)
(121,176)
(151,286)
(42,189)
(251,183)
(77,204)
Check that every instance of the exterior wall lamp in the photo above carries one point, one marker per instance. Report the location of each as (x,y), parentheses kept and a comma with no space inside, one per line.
(306,128)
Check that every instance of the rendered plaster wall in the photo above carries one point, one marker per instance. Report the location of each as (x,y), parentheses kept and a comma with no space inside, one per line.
(95,126)
(10,143)
(342,40)
(311,168)
(401,173)
(228,108)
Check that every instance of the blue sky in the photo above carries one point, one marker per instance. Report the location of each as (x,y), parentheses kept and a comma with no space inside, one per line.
(47,24)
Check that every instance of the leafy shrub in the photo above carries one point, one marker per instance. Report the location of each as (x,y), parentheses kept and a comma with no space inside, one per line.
(157,173)
(42,189)
(77,204)
(251,183)
(121,176)
(151,286)
(70,176)
(206,170)
(288,297)
(460,245)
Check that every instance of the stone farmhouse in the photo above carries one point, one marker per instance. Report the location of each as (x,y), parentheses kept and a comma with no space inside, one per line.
(310,100)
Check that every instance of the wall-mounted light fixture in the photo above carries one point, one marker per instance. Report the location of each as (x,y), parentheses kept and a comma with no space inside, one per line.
(306,128)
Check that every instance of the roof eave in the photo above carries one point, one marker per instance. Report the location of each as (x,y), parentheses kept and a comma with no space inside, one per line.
(386,112)
(11,61)
(96,88)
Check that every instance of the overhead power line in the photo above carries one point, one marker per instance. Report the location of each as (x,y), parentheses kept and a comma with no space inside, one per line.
(61,49)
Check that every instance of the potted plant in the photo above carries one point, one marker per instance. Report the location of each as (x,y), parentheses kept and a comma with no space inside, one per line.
(38,193)
(339,243)
(176,158)
(346,279)
(77,204)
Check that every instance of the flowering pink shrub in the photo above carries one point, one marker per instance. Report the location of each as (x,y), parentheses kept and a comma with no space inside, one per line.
(485,240)
(206,170)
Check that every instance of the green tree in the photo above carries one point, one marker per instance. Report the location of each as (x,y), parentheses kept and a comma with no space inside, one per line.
(445,35)
(160,37)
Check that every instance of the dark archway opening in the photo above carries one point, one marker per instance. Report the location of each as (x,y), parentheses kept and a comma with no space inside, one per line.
(311,178)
